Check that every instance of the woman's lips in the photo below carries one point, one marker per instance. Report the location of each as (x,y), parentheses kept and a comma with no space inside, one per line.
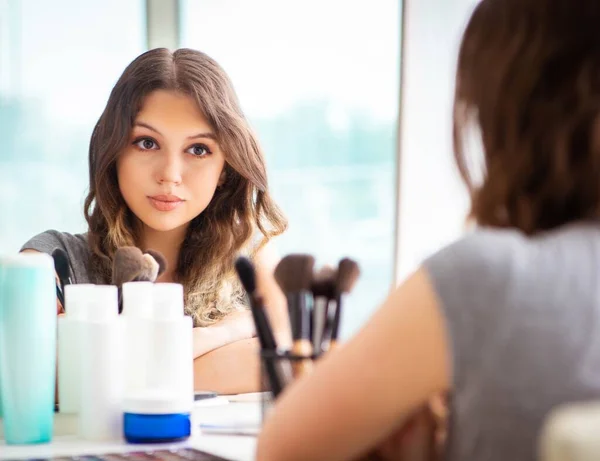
(165,202)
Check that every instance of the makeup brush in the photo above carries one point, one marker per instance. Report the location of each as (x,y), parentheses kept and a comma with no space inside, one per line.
(159,259)
(131,265)
(347,275)
(247,275)
(323,290)
(294,275)
(63,271)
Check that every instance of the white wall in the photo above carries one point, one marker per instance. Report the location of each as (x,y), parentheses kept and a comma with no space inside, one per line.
(432,200)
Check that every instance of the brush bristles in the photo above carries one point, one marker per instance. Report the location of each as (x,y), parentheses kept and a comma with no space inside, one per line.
(127,265)
(323,283)
(131,265)
(294,273)
(150,274)
(347,275)
(160,259)
(246,274)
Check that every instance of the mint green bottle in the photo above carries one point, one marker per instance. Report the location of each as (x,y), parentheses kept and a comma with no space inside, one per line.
(27,347)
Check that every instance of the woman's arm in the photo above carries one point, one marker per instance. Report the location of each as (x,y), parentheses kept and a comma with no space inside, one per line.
(360,393)
(234,327)
(231,369)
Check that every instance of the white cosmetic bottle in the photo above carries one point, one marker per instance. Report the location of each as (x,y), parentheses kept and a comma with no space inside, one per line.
(77,300)
(172,337)
(138,311)
(102,373)
(162,411)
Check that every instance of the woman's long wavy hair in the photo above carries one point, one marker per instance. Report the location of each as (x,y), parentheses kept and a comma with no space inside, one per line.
(528,78)
(240,208)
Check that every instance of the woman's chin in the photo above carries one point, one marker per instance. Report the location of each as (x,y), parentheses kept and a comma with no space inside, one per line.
(164,225)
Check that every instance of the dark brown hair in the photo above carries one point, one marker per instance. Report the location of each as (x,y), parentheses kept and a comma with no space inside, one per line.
(529,78)
(240,207)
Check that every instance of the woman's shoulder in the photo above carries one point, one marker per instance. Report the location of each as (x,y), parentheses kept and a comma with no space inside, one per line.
(476,273)
(478,253)
(490,253)
(48,241)
(493,279)
(75,245)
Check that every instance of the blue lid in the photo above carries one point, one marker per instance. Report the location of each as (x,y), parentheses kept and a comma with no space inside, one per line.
(148,428)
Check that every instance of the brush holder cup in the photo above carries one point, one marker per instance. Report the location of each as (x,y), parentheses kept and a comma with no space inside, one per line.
(279,369)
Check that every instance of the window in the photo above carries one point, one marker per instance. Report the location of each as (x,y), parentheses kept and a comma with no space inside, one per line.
(319,82)
(58,63)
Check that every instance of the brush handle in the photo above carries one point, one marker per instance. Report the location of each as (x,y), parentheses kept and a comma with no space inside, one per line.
(267,343)
(303,348)
(262,324)
(300,316)
(337,318)
(60,296)
(319,323)
(299,308)
(329,314)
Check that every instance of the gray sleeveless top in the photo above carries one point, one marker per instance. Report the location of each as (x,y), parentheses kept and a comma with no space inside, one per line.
(523,316)
(76,247)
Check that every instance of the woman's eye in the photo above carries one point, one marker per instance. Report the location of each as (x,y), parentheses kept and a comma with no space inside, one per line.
(146,144)
(199,150)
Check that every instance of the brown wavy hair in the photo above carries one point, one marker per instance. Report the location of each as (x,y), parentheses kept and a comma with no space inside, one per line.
(528,77)
(240,208)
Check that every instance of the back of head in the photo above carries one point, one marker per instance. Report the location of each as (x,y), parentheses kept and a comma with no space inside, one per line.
(528,77)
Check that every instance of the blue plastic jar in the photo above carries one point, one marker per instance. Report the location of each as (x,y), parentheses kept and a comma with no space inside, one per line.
(156,418)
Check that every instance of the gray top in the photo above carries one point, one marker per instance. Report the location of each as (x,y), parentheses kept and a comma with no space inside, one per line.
(78,250)
(76,247)
(523,316)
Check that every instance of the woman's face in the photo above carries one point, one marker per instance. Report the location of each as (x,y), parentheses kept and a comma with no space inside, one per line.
(172,165)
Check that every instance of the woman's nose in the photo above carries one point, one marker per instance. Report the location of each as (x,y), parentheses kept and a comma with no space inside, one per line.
(170,169)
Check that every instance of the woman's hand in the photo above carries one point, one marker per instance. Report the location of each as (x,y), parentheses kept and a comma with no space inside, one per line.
(237,326)
(59,307)
(59,312)
(421,438)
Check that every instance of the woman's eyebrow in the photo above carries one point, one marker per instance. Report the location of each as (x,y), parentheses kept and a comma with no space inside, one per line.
(146,125)
(208,134)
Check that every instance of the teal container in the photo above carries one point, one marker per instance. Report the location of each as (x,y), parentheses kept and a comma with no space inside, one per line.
(27,347)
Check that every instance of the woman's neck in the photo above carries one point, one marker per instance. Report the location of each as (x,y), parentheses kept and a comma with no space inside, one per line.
(166,242)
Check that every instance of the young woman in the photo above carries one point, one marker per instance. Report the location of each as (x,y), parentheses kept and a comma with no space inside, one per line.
(175,167)
(507,319)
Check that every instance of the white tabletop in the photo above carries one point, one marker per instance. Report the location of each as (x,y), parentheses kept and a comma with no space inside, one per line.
(219,415)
